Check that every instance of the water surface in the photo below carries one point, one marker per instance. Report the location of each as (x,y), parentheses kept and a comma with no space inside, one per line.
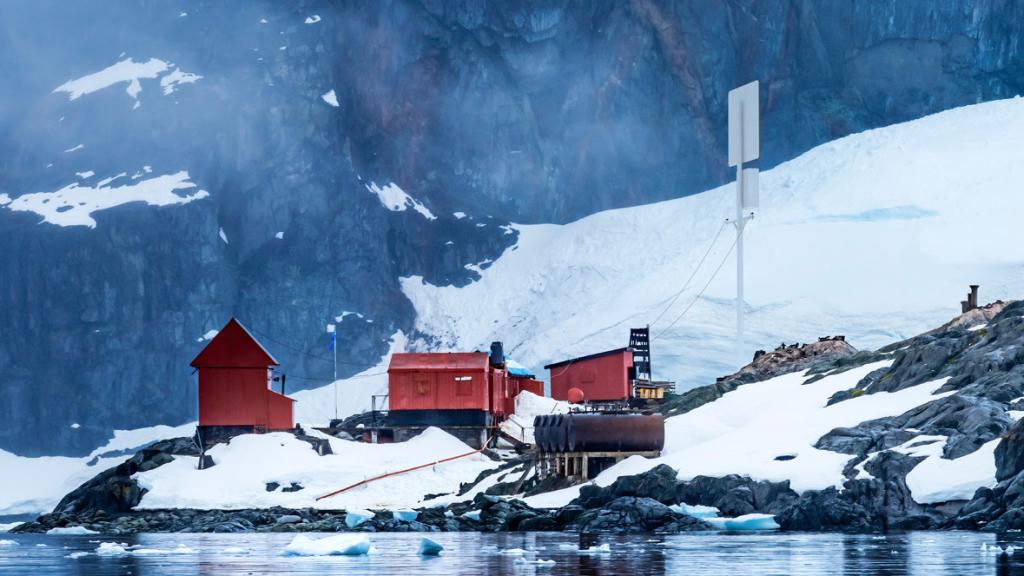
(917,553)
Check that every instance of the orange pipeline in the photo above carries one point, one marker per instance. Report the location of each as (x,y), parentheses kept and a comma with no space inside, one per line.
(396,473)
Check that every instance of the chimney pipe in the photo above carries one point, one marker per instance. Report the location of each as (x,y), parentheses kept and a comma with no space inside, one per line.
(973,298)
(497,354)
(963,306)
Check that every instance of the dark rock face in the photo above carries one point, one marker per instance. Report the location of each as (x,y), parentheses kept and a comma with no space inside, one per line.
(529,112)
(114,491)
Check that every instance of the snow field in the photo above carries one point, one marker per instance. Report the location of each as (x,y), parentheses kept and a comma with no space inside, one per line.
(246,464)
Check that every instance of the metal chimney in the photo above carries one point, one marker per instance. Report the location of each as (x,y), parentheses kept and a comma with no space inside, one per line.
(497,354)
(972,299)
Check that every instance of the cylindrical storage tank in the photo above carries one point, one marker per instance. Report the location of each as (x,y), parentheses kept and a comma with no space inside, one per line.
(615,432)
(558,432)
(539,431)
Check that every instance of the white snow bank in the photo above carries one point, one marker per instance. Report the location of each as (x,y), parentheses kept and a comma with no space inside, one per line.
(139,437)
(130,72)
(340,545)
(395,199)
(331,98)
(528,406)
(70,531)
(74,204)
(248,463)
(745,430)
(41,482)
(889,203)
(7,527)
(938,479)
(745,522)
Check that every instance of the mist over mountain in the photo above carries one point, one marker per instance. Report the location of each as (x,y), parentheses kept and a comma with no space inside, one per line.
(167,165)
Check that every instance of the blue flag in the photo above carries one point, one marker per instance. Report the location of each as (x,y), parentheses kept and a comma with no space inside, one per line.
(330,347)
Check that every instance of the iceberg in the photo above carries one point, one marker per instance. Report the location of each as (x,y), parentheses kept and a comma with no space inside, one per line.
(111,549)
(745,522)
(341,545)
(429,548)
(354,518)
(4,543)
(70,531)
(696,510)
(472,515)
(405,515)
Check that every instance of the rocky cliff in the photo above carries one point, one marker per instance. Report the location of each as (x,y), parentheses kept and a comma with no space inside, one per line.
(342,145)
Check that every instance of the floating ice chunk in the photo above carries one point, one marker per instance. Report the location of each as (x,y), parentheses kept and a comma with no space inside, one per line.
(513,552)
(70,531)
(4,543)
(235,550)
(405,515)
(331,98)
(340,545)
(472,515)
(537,562)
(696,510)
(429,548)
(10,526)
(599,549)
(111,549)
(356,517)
(78,554)
(312,19)
(745,522)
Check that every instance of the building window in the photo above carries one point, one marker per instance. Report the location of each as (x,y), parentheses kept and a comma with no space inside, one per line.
(463,385)
(422,386)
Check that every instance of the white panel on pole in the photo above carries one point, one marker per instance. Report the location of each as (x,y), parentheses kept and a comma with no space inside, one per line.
(751,194)
(744,124)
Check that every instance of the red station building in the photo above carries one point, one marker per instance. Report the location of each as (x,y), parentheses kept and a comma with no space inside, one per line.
(462,392)
(602,377)
(235,377)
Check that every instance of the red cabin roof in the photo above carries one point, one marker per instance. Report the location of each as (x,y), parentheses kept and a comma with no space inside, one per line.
(439,361)
(234,347)
(587,357)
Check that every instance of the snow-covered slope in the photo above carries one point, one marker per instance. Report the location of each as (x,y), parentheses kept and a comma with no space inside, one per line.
(249,462)
(875,236)
(35,485)
(746,431)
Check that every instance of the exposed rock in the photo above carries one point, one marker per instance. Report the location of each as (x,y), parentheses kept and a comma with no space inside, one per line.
(785,359)
(627,514)
(736,495)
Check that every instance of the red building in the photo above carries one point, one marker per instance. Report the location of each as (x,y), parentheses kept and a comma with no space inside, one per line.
(602,377)
(235,375)
(454,388)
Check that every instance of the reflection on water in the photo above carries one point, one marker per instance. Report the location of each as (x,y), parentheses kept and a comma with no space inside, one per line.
(916,553)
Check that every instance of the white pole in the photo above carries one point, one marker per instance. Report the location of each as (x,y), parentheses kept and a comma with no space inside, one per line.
(335,346)
(740,221)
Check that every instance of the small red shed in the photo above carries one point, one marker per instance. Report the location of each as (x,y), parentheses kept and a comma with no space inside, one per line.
(235,374)
(602,377)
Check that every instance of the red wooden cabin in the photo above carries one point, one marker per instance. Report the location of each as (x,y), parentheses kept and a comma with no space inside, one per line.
(603,377)
(449,388)
(234,383)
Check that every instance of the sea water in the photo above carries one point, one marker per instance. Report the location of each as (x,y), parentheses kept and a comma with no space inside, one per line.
(931,553)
